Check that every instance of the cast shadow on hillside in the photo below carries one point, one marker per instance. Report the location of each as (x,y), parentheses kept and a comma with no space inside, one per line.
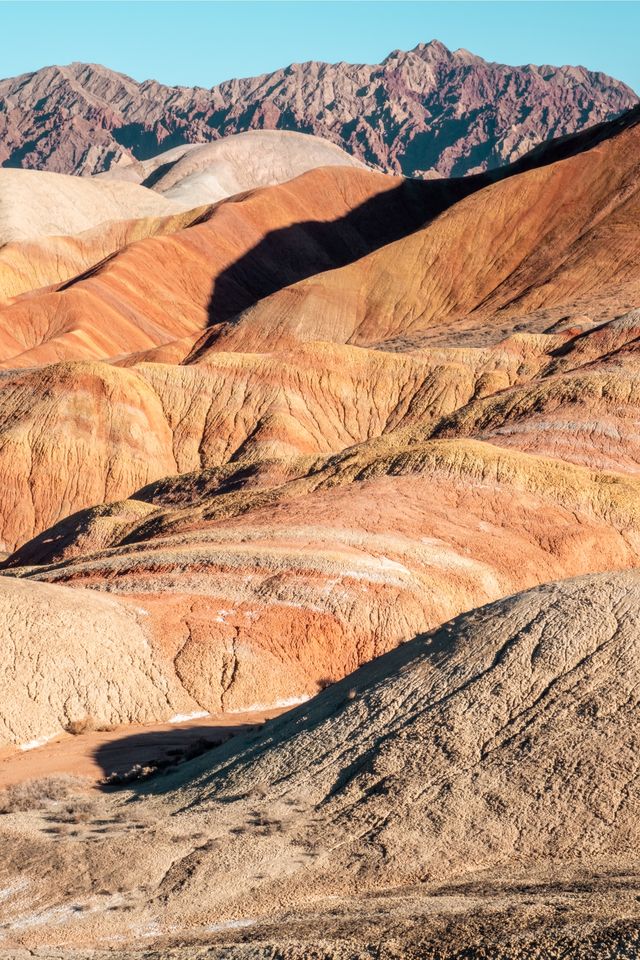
(290,254)
(296,252)
(139,758)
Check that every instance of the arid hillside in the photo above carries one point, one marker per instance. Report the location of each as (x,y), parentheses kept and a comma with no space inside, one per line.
(201,173)
(511,255)
(491,762)
(356,457)
(165,288)
(54,228)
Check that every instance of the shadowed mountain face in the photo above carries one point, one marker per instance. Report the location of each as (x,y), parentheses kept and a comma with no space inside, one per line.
(239,251)
(425,111)
(55,227)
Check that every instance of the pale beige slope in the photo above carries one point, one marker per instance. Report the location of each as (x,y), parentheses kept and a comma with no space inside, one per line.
(495,757)
(508,738)
(68,655)
(207,172)
(36,204)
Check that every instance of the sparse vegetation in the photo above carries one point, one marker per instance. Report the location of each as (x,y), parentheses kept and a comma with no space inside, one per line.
(39,794)
(89,724)
(80,811)
(82,725)
(138,771)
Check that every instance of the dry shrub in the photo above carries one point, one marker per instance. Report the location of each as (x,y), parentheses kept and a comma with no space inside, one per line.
(352,694)
(272,826)
(84,725)
(137,772)
(60,829)
(39,794)
(79,811)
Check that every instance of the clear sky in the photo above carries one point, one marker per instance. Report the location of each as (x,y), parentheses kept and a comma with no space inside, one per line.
(206,42)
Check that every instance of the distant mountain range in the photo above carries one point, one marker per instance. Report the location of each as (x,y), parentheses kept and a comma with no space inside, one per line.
(425,112)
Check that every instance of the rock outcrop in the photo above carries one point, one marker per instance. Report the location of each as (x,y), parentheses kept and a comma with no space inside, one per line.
(63,661)
(505,739)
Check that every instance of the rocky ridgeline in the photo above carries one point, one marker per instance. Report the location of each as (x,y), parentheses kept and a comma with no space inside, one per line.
(428,111)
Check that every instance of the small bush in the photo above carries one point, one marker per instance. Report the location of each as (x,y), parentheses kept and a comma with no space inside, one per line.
(79,811)
(137,772)
(39,794)
(352,694)
(85,725)
(174,757)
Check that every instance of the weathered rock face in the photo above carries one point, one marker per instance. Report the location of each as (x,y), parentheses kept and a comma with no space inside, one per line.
(425,110)
(85,433)
(493,758)
(409,400)
(288,597)
(63,662)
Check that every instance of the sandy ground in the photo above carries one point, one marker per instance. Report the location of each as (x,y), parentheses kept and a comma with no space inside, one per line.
(97,754)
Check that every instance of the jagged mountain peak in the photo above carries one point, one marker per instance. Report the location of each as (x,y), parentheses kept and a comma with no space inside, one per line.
(425,111)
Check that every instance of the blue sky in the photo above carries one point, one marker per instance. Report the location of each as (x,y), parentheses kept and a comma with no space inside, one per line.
(206,42)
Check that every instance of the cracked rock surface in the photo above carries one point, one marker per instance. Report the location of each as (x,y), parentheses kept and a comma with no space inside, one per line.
(494,758)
